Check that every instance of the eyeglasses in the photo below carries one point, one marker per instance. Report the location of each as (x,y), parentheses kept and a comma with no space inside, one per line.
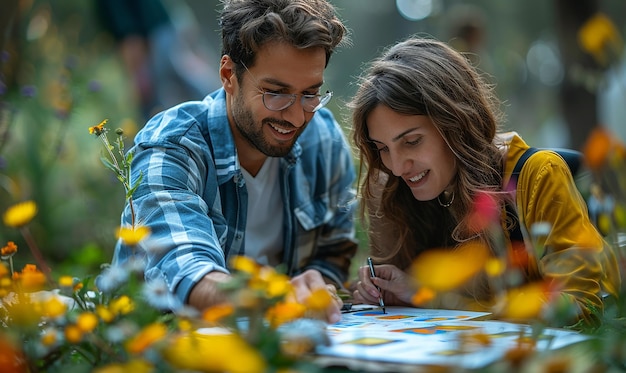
(281,101)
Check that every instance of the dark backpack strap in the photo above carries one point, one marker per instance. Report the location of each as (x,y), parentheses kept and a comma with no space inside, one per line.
(515,233)
(574,160)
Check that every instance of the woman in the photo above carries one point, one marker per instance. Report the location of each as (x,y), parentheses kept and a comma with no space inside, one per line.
(425,124)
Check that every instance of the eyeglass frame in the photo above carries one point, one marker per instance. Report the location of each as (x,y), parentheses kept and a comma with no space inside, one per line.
(323,99)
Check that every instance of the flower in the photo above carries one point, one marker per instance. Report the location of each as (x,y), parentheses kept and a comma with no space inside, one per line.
(20,214)
(525,302)
(214,314)
(87,322)
(485,212)
(98,129)
(133,235)
(9,250)
(214,353)
(146,338)
(597,148)
(442,270)
(599,37)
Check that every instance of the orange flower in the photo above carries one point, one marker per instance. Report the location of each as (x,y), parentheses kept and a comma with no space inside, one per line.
(445,269)
(284,312)
(73,334)
(12,359)
(9,250)
(597,148)
(218,312)
(146,338)
(31,278)
(20,214)
(422,296)
(98,129)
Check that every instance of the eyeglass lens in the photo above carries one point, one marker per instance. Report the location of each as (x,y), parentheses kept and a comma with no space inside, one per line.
(281,101)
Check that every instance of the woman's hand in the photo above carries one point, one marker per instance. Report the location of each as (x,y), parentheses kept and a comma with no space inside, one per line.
(394,284)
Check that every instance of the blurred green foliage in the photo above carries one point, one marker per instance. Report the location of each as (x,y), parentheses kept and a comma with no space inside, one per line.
(61,76)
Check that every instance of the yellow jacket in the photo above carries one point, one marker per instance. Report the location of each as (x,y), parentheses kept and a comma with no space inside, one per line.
(574,256)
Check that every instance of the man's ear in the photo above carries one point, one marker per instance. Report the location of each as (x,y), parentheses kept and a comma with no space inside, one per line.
(227,74)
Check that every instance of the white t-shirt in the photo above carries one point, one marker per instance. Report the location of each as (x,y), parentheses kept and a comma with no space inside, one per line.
(264,227)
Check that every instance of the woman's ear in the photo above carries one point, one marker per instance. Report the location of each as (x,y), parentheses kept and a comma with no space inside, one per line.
(227,74)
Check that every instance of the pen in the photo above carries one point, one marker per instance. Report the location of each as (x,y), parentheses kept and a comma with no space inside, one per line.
(373,274)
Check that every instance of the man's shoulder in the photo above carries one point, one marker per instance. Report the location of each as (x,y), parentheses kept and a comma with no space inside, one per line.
(184,120)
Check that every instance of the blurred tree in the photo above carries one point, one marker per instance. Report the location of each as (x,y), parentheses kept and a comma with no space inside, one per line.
(578,103)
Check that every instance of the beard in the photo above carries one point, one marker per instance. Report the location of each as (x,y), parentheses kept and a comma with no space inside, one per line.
(253,132)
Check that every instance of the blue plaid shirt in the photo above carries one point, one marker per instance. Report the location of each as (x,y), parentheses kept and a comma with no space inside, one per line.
(194,200)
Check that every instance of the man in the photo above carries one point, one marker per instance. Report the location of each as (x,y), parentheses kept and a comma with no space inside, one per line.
(258,168)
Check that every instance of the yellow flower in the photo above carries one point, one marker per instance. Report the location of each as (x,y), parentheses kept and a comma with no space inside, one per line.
(213,353)
(66,281)
(599,37)
(495,267)
(20,214)
(442,270)
(4,272)
(104,313)
(524,303)
(245,264)
(218,312)
(49,337)
(132,237)
(276,284)
(98,129)
(54,307)
(318,300)
(146,338)
(121,306)
(133,366)
(24,312)
(87,322)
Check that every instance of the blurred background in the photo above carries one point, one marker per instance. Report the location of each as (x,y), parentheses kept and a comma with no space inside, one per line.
(65,66)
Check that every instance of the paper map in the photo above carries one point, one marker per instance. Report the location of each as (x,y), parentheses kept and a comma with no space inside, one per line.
(431,337)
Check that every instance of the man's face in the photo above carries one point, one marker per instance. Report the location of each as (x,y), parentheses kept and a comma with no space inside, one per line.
(279,68)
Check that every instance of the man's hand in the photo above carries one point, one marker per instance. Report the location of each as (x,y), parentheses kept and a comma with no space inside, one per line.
(206,292)
(311,280)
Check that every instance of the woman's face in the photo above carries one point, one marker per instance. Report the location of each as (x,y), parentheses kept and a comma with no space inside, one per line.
(412,148)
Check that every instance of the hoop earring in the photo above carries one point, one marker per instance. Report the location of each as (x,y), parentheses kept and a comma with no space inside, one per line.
(446,204)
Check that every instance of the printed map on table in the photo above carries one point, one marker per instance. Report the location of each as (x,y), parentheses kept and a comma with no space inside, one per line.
(431,337)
